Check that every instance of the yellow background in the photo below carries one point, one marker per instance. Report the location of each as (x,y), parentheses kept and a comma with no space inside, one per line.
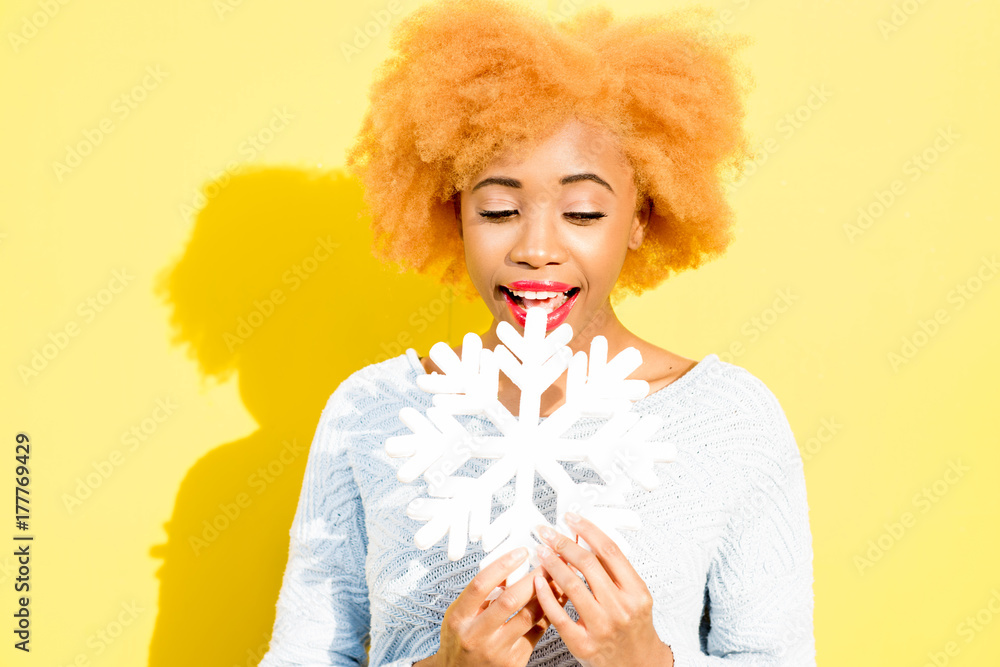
(874,432)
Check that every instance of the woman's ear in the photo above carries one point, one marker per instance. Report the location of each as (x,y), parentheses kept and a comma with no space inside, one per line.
(639,223)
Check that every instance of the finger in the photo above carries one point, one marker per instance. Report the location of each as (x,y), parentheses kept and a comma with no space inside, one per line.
(597,578)
(607,552)
(572,586)
(492,596)
(535,634)
(502,587)
(537,614)
(562,599)
(510,602)
(523,621)
(560,595)
(571,567)
(568,629)
(472,599)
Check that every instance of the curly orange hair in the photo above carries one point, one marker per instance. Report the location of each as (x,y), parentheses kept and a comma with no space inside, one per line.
(471,79)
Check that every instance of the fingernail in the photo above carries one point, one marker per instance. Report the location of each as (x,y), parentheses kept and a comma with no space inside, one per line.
(517,554)
(546,533)
(572,517)
(543,552)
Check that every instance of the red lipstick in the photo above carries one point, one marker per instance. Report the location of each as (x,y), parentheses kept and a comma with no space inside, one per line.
(539,286)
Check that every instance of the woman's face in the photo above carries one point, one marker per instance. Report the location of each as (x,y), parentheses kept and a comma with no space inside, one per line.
(552,229)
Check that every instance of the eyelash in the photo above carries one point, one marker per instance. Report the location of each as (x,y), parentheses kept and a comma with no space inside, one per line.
(581,215)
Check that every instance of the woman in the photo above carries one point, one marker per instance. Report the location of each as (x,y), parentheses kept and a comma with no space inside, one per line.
(582,160)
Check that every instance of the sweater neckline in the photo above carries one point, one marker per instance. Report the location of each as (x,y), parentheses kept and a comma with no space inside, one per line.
(660,394)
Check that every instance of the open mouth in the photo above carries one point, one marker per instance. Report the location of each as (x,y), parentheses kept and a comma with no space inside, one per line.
(550,301)
(555,303)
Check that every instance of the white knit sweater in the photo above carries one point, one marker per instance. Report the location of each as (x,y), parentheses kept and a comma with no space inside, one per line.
(727,529)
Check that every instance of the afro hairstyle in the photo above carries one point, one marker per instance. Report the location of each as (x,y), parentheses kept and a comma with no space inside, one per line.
(468,80)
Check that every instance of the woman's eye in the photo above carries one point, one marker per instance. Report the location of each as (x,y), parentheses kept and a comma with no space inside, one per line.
(575,215)
(497,215)
(586,215)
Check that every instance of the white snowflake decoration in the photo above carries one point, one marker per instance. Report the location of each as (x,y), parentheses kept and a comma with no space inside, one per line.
(620,451)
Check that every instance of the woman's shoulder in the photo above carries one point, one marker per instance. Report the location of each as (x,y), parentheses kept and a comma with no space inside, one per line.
(746,391)
(711,379)
(746,409)
(728,400)
(381,388)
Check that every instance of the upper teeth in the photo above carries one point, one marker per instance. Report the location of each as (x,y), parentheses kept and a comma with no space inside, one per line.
(535,295)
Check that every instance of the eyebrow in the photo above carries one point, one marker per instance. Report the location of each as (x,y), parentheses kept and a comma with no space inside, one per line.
(514,183)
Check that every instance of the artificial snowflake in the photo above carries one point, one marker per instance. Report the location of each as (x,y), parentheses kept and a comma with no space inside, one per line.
(619,452)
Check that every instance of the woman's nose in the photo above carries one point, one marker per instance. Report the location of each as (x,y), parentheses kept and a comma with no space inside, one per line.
(538,242)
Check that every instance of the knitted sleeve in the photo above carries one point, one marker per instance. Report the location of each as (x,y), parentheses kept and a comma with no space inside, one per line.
(760,579)
(322,611)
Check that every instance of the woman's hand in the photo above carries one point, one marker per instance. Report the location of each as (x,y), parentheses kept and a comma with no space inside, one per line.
(476,631)
(616,614)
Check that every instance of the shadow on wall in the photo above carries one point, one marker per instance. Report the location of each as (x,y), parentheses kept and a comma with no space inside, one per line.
(278,284)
